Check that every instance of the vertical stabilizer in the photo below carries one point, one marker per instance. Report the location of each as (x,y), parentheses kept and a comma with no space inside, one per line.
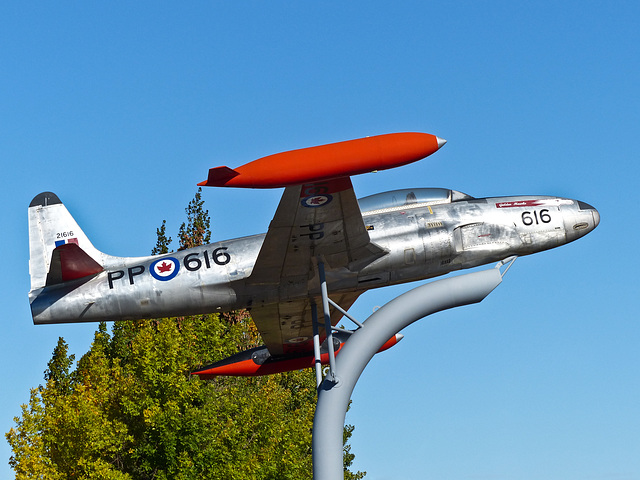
(50,226)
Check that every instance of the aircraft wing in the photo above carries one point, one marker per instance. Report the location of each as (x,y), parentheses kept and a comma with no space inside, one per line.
(287,328)
(319,221)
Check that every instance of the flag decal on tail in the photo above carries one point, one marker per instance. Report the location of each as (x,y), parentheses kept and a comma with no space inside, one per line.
(68,240)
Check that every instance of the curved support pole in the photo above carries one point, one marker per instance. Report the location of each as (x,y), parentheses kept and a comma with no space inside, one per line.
(334,394)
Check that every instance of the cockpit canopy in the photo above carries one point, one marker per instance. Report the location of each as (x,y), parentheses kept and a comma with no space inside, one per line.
(410,197)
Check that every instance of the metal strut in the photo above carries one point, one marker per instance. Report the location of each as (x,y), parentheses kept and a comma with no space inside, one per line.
(343,312)
(331,376)
(316,343)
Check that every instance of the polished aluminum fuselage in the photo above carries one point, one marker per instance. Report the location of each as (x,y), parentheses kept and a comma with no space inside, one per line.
(421,241)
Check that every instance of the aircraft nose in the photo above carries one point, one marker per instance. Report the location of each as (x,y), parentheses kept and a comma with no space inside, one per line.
(580,218)
(596,218)
(595,215)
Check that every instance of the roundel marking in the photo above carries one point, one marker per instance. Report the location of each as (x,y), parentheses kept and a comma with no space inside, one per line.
(164,269)
(316,201)
(298,340)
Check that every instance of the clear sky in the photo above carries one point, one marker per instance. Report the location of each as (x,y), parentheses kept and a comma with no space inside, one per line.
(121,107)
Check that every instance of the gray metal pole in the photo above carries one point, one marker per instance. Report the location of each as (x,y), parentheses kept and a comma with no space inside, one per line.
(327,319)
(333,398)
(316,344)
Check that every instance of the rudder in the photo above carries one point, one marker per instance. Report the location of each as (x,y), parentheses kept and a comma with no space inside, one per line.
(50,226)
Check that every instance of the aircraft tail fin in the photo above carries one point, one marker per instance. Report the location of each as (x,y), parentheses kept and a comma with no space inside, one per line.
(59,250)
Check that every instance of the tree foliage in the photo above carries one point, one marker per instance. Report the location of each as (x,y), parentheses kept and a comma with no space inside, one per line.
(162,242)
(196,230)
(131,409)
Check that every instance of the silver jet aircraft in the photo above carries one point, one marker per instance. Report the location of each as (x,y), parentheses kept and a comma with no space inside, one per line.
(322,242)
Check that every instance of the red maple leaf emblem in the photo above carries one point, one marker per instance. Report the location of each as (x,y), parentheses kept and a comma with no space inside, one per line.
(316,200)
(165,267)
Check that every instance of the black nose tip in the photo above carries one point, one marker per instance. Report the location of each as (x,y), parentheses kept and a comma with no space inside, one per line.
(584,206)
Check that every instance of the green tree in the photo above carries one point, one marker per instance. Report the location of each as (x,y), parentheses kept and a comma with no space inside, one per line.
(30,459)
(162,242)
(131,409)
(196,230)
(59,367)
(347,456)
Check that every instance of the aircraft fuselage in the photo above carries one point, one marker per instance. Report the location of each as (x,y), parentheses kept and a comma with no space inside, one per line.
(421,239)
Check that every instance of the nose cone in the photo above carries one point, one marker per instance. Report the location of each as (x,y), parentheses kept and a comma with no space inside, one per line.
(585,209)
(596,218)
(580,219)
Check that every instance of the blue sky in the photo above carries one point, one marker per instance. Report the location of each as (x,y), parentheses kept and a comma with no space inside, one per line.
(121,109)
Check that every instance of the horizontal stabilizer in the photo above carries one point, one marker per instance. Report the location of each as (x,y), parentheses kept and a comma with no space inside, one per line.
(70,262)
(219,176)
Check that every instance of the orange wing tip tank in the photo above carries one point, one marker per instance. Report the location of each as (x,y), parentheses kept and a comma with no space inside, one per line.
(257,361)
(353,157)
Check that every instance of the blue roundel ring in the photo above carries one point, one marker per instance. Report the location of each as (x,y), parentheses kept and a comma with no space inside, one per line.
(164,278)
